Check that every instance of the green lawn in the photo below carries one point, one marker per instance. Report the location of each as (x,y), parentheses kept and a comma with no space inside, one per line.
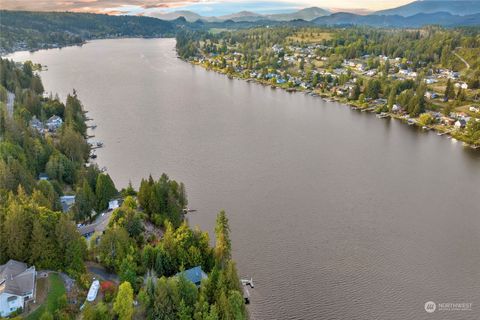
(56,290)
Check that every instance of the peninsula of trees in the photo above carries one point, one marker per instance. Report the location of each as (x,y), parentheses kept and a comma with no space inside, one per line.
(146,244)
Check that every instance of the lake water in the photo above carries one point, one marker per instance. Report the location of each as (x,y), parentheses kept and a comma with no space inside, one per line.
(335,214)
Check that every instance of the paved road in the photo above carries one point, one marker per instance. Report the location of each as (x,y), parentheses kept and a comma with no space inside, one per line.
(10,101)
(100,272)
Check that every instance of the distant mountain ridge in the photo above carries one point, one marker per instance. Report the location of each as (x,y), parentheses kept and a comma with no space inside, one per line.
(306,14)
(396,21)
(455,7)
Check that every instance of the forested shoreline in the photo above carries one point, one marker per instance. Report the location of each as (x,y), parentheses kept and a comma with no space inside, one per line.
(25,30)
(147,243)
(429,77)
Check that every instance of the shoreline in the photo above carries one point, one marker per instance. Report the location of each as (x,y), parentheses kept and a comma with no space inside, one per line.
(439,129)
(5,53)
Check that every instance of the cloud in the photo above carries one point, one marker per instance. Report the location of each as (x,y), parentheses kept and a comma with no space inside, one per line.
(142,6)
(96,6)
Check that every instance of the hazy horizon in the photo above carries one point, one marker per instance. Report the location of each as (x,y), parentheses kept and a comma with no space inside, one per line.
(205,8)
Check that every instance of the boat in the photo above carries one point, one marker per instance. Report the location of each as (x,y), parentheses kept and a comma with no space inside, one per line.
(92,292)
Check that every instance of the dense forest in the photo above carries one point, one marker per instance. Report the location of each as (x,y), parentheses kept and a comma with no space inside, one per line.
(147,243)
(23,30)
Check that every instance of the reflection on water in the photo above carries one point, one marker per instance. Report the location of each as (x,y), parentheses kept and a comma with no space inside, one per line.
(336,214)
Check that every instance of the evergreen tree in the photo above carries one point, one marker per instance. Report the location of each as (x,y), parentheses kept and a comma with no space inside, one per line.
(449,91)
(123,305)
(105,191)
(222,243)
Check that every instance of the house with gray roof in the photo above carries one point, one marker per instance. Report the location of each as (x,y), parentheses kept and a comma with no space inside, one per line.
(17,286)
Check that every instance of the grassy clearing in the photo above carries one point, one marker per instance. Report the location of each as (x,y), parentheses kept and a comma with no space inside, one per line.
(310,36)
(55,290)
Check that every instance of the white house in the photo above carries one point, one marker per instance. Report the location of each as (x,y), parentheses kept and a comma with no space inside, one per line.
(17,286)
(67,202)
(113,204)
(54,122)
(474,109)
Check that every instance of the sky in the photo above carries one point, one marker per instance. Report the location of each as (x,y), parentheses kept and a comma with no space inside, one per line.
(203,7)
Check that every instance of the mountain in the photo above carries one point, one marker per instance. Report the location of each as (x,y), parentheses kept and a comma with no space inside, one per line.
(241,16)
(188,15)
(396,21)
(306,14)
(456,7)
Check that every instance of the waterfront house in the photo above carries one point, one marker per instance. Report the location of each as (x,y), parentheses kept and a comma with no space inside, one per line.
(17,286)
(396,108)
(195,275)
(460,123)
(447,121)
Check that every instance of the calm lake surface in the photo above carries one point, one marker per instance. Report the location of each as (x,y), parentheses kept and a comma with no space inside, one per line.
(336,214)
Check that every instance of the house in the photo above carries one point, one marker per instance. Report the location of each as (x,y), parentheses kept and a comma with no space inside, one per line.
(36,124)
(462,85)
(17,286)
(67,202)
(43,176)
(431,95)
(54,122)
(474,109)
(460,123)
(195,275)
(113,204)
(447,121)
(396,108)
(87,231)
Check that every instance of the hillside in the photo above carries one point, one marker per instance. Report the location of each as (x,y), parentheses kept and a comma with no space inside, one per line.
(22,30)
(455,7)
(306,14)
(397,21)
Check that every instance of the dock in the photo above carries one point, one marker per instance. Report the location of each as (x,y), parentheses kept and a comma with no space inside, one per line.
(246,293)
